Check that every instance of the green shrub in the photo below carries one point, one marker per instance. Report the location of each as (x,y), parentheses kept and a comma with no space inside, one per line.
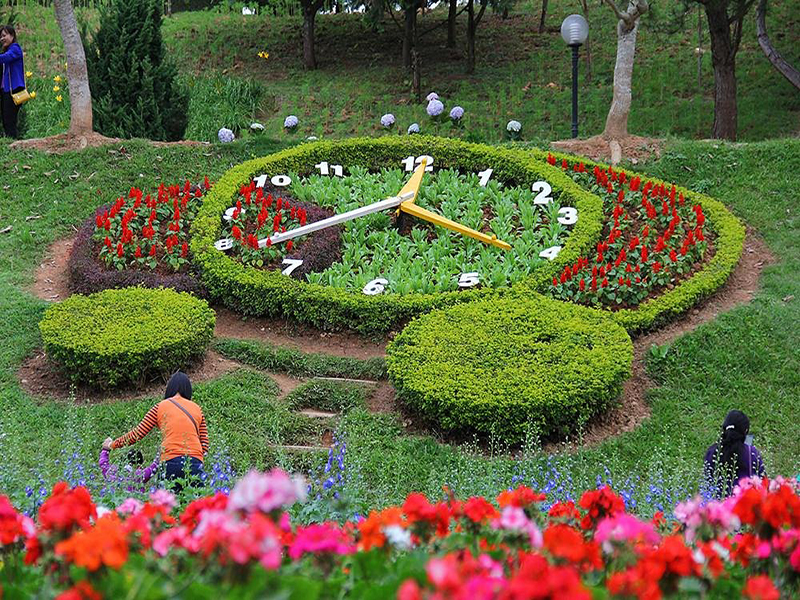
(126,336)
(299,363)
(134,87)
(502,366)
(268,293)
(324,394)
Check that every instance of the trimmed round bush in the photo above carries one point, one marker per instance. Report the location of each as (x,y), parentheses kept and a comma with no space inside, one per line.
(501,367)
(127,336)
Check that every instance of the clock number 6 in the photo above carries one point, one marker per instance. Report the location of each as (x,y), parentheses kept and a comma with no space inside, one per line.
(544,189)
(325,169)
(375,287)
(410,161)
(570,215)
(293,264)
(277,180)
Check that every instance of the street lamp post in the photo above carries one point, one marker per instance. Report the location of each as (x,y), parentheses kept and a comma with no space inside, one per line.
(574,30)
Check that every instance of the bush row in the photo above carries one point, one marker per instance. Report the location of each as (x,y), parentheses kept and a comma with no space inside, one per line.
(502,367)
(128,336)
(268,293)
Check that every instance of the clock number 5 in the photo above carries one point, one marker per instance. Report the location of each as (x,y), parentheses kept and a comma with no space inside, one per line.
(410,161)
(468,280)
(375,287)
(544,189)
(326,169)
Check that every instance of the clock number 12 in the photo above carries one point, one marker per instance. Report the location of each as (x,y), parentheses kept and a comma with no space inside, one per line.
(410,161)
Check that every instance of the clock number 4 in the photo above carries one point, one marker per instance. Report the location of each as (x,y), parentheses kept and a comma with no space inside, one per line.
(277,180)
(326,169)
(293,264)
(375,287)
(544,189)
(410,161)
(550,253)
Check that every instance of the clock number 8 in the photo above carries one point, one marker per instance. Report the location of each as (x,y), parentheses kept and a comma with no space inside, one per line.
(375,287)
(410,161)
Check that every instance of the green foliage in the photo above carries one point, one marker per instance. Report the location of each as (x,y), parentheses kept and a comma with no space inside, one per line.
(504,367)
(324,394)
(299,363)
(134,87)
(126,336)
(268,293)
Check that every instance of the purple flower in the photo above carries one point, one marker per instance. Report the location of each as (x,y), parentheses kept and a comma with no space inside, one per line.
(435,108)
(456,113)
(290,122)
(225,135)
(413,128)
(387,120)
(432,96)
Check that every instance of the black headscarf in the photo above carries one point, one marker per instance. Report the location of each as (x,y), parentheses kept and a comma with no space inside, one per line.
(179,384)
(734,431)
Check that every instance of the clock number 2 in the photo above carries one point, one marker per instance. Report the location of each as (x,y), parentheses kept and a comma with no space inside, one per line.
(326,169)
(293,264)
(410,161)
(375,287)
(277,180)
(544,189)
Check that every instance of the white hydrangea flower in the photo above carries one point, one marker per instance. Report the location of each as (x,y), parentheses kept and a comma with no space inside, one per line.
(513,126)
(435,108)
(432,96)
(413,128)
(256,127)
(387,120)
(225,135)
(456,113)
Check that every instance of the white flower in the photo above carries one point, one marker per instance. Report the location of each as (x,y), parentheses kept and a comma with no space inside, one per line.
(435,108)
(225,135)
(398,537)
(248,11)
(432,96)
(387,120)
(290,122)
(312,138)
(513,126)
(256,127)
(413,128)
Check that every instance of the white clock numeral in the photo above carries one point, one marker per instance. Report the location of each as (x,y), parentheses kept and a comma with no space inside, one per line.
(261,180)
(468,280)
(293,264)
(228,216)
(550,253)
(570,215)
(375,287)
(223,244)
(484,177)
(410,161)
(544,189)
(325,169)
(281,180)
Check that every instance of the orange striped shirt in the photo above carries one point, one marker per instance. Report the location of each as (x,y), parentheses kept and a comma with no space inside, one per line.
(179,436)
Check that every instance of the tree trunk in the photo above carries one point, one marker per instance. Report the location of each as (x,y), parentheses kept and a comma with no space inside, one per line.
(471,27)
(587,46)
(410,18)
(723,58)
(617,119)
(309,16)
(451,24)
(775,57)
(80,96)
(544,15)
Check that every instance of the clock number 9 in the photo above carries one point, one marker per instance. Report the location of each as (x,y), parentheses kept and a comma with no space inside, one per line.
(375,287)
(224,244)
(410,161)
(570,215)
(544,189)
(325,169)
(277,180)
(468,280)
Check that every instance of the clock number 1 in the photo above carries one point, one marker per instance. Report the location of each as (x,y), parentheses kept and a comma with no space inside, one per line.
(484,177)
(325,169)
(410,161)
(544,189)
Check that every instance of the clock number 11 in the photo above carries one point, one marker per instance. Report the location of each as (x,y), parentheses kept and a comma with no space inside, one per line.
(326,169)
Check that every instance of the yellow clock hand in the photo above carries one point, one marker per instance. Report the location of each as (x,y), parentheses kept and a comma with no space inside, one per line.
(412,209)
(412,185)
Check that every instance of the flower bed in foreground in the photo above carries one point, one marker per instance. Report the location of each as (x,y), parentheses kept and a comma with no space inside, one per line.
(245,544)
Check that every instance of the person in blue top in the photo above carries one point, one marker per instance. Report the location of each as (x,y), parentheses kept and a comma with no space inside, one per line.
(734,457)
(13,78)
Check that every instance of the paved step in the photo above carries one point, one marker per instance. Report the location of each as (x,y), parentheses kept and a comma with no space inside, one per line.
(299,448)
(348,380)
(318,414)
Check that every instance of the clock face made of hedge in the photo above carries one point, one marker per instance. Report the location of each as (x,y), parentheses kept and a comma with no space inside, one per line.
(410,226)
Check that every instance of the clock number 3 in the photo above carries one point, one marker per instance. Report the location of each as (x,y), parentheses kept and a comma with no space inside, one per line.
(544,189)
(326,169)
(567,215)
(410,161)
(375,287)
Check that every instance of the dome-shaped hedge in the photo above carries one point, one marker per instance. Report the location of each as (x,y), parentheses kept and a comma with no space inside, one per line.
(495,367)
(126,336)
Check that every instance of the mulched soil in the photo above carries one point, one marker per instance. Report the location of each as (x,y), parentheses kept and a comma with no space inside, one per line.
(634,148)
(39,379)
(66,143)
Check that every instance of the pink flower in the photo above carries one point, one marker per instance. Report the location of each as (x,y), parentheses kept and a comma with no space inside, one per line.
(164,498)
(130,506)
(512,518)
(266,491)
(624,528)
(322,537)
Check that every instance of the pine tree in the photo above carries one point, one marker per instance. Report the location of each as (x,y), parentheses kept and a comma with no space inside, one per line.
(134,87)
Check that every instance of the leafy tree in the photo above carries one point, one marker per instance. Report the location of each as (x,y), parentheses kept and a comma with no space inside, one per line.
(133,83)
(80,95)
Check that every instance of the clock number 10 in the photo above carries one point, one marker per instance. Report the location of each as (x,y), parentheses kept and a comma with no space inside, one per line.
(410,161)
(277,180)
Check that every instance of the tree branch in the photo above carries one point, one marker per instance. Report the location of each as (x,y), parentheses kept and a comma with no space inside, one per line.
(484,4)
(435,27)
(391,14)
(781,64)
(622,16)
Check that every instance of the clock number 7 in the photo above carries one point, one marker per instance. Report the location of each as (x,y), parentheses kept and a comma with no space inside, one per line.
(293,264)
(325,169)
(410,161)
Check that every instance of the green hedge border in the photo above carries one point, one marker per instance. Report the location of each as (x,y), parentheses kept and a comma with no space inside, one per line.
(669,305)
(497,367)
(268,293)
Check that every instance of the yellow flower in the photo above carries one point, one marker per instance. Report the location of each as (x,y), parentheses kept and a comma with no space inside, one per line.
(33,94)
(57,78)
(28,73)
(264,54)
(58,98)
(56,88)
(65,65)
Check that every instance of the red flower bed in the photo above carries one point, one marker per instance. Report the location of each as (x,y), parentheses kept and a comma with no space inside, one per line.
(653,238)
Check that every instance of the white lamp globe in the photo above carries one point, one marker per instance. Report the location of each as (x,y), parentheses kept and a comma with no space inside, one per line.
(574,30)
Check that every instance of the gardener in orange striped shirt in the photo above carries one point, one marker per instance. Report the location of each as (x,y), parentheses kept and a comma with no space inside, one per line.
(183,429)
